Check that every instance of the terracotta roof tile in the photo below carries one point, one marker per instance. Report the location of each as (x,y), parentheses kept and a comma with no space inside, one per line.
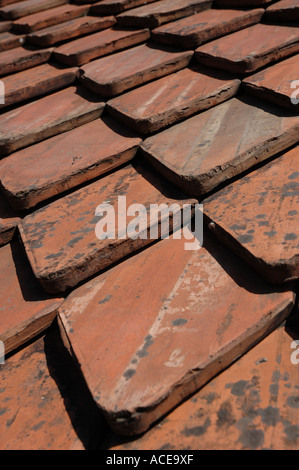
(5,26)
(247,407)
(85,49)
(57,113)
(25,309)
(69,159)
(212,147)
(257,217)
(172,98)
(157,13)
(28,7)
(59,265)
(285,10)
(69,30)
(136,66)
(154,360)
(8,222)
(275,83)
(22,58)
(105,7)
(240,3)
(50,17)
(10,41)
(36,81)
(194,30)
(251,48)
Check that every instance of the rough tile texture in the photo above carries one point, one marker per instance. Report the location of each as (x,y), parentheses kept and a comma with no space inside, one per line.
(69,159)
(5,26)
(37,81)
(192,328)
(285,10)
(10,41)
(208,149)
(43,404)
(240,3)
(57,113)
(275,83)
(21,59)
(258,217)
(49,18)
(84,50)
(8,221)
(250,406)
(58,264)
(28,7)
(194,30)
(25,309)
(172,98)
(136,66)
(155,14)
(70,29)
(108,7)
(251,48)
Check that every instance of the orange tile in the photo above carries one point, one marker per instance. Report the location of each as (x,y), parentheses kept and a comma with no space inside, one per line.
(22,58)
(28,7)
(285,10)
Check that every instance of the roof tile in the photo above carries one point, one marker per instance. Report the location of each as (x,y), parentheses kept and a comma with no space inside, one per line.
(25,309)
(60,239)
(85,49)
(28,7)
(250,49)
(69,159)
(57,113)
(5,26)
(136,66)
(50,17)
(36,81)
(8,221)
(276,83)
(157,13)
(209,149)
(113,7)
(258,217)
(10,41)
(172,98)
(69,30)
(22,58)
(194,30)
(285,10)
(175,328)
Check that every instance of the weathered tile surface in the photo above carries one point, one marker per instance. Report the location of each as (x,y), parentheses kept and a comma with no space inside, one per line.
(10,41)
(28,7)
(250,406)
(194,30)
(25,309)
(157,13)
(240,3)
(174,329)
(113,7)
(43,405)
(5,26)
(57,113)
(278,83)
(69,159)
(22,58)
(172,98)
(136,66)
(85,49)
(70,29)
(216,145)
(285,10)
(251,48)
(35,82)
(50,17)
(61,240)
(258,217)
